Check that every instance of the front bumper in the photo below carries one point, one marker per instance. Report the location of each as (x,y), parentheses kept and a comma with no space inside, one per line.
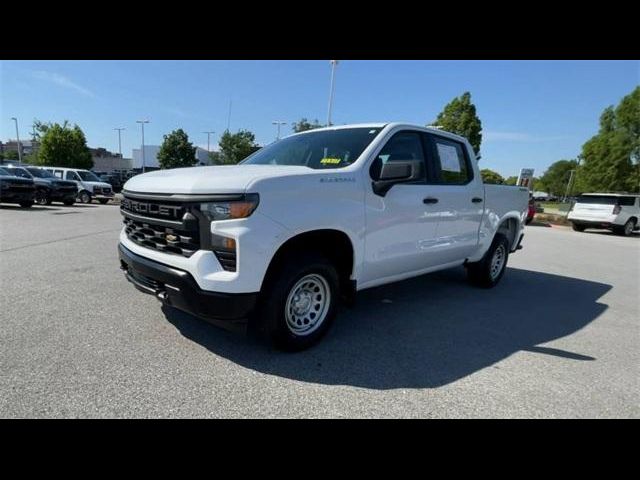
(178,289)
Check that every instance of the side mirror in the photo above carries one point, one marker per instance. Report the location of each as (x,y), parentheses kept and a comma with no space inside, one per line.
(386,175)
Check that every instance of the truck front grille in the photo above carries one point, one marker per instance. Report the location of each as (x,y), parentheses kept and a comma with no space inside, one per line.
(164,239)
(164,226)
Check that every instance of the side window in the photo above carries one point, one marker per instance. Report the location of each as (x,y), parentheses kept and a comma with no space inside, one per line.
(58,173)
(72,175)
(404,146)
(451,162)
(627,201)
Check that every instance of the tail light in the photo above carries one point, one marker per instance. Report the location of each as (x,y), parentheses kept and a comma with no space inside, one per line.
(616,209)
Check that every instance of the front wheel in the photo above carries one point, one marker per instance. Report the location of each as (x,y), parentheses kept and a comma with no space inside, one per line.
(42,198)
(577,227)
(300,303)
(84,197)
(487,272)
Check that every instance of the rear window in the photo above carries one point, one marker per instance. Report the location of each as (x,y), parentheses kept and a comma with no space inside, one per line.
(606,200)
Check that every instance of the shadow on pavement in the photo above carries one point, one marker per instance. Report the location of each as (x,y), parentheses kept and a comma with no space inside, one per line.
(33,208)
(634,234)
(424,332)
(537,223)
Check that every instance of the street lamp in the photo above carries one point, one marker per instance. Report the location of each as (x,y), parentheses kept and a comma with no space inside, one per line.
(142,122)
(209,140)
(18,140)
(278,123)
(119,140)
(333,72)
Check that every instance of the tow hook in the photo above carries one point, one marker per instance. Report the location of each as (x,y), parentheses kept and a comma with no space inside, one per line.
(162,296)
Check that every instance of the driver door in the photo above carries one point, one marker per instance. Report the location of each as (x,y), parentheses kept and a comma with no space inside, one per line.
(401,225)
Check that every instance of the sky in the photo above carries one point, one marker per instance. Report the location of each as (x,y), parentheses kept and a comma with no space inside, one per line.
(533,112)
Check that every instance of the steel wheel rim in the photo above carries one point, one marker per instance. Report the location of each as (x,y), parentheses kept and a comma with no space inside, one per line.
(497,261)
(307,304)
(84,198)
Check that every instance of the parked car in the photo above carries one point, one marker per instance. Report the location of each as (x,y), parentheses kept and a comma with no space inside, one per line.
(89,186)
(48,188)
(113,180)
(313,218)
(531,212)
(613,211)
(15,189)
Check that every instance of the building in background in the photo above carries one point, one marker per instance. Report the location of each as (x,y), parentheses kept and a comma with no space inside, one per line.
(28,146)
(106,161)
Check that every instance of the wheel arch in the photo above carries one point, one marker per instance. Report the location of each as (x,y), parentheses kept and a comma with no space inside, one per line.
(335,244)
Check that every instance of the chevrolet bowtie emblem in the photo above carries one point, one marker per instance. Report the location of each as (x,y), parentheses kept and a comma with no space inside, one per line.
(171,238)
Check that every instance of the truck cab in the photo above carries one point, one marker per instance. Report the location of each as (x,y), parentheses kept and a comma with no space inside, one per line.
(311,219)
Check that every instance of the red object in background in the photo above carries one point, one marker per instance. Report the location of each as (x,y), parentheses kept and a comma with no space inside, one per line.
(532,211)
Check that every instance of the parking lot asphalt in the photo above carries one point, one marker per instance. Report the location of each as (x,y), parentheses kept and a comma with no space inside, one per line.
(559,337)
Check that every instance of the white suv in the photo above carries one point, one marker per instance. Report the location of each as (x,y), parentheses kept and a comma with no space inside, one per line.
(614,211)
(90,187)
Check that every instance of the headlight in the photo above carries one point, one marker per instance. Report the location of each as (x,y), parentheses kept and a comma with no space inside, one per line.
(215,211)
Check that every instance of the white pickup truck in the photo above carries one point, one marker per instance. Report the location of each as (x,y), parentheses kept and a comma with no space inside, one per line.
(282,237)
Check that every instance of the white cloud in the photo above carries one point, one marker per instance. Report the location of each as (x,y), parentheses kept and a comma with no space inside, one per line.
(62,81)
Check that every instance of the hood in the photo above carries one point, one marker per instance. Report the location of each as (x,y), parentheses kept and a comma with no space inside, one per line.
(97,184)
(216,179)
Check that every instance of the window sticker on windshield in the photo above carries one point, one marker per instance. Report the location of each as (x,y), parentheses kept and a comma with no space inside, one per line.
(449,160)
(330,161)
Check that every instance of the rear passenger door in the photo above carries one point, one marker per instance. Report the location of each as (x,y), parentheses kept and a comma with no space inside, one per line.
(460,197)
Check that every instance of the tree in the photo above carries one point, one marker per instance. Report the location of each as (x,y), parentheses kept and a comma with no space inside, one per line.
(177,151)
(556,178)
(459,117)
(303,125)
(63,146)
(612,156)
(511,180)
(11,155)
(489,176)
(234,147)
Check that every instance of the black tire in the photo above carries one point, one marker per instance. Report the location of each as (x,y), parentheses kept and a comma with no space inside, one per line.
(26,204)
(69,201)
(482,273)
(273,304)
(577,227)
(42,197)
(103,201)
(84,197)
(626,230)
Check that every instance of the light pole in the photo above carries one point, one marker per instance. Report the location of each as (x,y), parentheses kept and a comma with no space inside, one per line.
(333,73)
(142,122)
(209,140)
(18,140)
(119,140)
(278,123)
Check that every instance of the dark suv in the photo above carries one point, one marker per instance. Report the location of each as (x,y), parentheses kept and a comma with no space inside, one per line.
(48,187)
(15,189)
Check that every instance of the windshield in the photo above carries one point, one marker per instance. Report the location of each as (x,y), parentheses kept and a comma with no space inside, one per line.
(87,176)
(37,172)
(318,150)
(4,172)
(19,172)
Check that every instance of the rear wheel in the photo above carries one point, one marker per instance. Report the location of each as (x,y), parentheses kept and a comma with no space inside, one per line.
(627,228)
(577,227)
(84,197)
(300,303)
(487,272)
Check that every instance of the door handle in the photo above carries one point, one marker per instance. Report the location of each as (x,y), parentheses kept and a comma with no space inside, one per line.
(430,200)
(476,199)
